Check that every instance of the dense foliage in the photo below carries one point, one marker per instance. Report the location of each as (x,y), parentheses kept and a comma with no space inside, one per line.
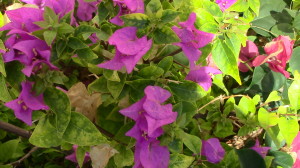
(149,83)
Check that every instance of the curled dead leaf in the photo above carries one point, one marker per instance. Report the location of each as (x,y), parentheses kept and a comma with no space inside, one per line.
(83,102)
(101,154)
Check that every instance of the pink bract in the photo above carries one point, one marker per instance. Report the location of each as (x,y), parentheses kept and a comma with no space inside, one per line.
(129,49)
(278,53)
(213,150)
(224,4)
(247,54)
(260,150)
(191,39)
(26,103)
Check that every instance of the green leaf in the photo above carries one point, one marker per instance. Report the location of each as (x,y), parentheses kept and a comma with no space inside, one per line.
(225,59)
(218,80)
(164,35)
(115,88)
(50,16)
(98,85)
(275,134)
(245,108)
(151,72)
(102,12)
(80,155)
(193,142)
(4,94)
(138,86)
(289,128)
(266,80)
(169,15)
(49,36)
(111,75)
(180,161)
(45,134)
(59,103)
(1,20)
(295,57)
(187,91)
(239,6)
(124,157)
(86,54)
(186,111)
(274,96)
(7,149)
(64,28)
(82,29)
(250,159)
(2,67)
(282,159)
(166,63)
(267,119)
(76,43)
(254,5)
(206,21)
(138,20)
(294,92)
(153,6)
(82,131)
(224,128)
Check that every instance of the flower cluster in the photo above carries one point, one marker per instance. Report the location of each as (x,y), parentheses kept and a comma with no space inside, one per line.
(85,9)
(26,103)
(191,40)
(278,52)
(129,49)
(150,115)
(23,47)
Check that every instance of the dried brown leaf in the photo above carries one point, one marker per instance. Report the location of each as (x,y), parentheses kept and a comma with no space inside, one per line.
(83,102)
(101,154)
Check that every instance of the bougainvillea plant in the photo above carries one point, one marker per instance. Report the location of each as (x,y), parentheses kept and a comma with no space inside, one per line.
(149,83)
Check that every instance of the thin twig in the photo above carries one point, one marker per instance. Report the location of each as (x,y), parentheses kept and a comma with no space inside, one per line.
(219,98)
(175,52)
(18,162)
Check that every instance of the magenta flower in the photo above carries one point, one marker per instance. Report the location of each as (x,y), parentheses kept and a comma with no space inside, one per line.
(22,20)
(247,54)
(127,7)
(30,51)
(86,10)
(72,157)
(26,103)
(213,150)
(61,7)
(191,39)
(224,4)
(278,52)
(260,150)
(296,149)
(202,76)
(149,154)
(129,49)
(150,116)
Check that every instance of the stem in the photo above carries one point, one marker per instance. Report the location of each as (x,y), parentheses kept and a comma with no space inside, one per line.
(175,52)
(219,98)
(18,162)
(14,129)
